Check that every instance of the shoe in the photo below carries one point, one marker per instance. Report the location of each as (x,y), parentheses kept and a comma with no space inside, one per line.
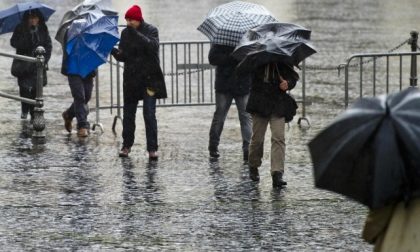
(214,154)
(124,151)
(253,174)
(278,179)
(67,121)
(24,115)
(82,132)
(153,155)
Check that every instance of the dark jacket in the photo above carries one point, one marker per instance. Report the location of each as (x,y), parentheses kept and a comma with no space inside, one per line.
(266,98)
(139,50)
(227,81)
(26,39)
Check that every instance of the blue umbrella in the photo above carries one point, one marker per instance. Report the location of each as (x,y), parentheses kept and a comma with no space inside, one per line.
(80,11)
(11,17)
(90,41)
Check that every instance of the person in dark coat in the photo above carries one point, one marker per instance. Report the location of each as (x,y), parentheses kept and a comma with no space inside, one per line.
(143,79)
(229,86)
(81,90)
(269,103)
(27,36)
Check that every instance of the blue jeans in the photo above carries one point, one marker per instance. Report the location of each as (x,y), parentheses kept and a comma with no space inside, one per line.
(149,116)
(223,102)
(81,90)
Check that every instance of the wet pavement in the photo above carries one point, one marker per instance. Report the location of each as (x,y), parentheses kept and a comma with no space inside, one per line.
(75,194)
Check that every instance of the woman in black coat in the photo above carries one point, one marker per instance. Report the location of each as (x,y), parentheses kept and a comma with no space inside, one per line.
(27,36)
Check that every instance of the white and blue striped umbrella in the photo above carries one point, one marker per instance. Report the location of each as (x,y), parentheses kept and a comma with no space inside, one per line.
(227,23)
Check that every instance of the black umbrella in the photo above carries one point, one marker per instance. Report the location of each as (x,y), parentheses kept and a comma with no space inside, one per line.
(273,42)
(371,152)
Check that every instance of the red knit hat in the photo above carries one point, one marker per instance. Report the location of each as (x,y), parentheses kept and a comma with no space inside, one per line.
(134,13)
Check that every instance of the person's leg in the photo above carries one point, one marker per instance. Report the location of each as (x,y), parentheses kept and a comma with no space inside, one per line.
(24,91)
(256,147)
(278,150)
(32,96)
(150,122)
(77,87)
(68,116)
(88,85)
(246,123)
(223,102)
(129,117)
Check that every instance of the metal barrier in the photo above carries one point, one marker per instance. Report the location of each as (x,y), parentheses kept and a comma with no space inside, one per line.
(189,79)
(38,134)
(374,57)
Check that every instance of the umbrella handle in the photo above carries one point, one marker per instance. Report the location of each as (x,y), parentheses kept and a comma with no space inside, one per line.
(278,73)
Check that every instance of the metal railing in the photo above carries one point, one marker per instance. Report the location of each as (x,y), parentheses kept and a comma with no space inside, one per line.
(188,75)
(385,85)
(38,134)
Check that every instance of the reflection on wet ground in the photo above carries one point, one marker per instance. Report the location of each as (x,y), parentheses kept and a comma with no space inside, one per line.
(75,193)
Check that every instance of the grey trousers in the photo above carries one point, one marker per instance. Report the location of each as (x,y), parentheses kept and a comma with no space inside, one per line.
(278,145)
(223,102)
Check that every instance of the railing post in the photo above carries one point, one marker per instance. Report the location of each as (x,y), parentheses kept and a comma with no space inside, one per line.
(346,85)
(413,72)
(38,135)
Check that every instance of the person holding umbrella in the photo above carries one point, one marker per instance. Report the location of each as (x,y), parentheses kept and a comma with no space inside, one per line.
(229,87)
(271,51)
(269,103)
(87,37)
(27,36)
(224,25)
(370,153)
(143,79)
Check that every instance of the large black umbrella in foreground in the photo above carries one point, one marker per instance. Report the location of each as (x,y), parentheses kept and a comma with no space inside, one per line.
(273,42)
(372,152)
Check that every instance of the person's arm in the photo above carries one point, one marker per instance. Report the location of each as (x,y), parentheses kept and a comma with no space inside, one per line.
(220,56)
(126,48)
(151,41)
(47,46)
(19,40)
(289,77)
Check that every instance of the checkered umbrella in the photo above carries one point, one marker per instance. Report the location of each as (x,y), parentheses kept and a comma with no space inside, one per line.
(227,23)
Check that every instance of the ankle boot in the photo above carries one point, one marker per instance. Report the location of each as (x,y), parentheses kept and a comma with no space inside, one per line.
(278,179)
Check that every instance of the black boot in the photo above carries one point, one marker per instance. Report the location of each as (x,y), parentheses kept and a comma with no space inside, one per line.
(278,179)
(214,153)
(246,156)
(253,174)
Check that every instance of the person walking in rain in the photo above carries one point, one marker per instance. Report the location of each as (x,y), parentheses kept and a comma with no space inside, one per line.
(143,79)
(270,104)
(27,36)
(81,90)
(229,86)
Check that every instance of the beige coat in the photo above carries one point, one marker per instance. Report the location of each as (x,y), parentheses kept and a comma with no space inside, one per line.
(394,228)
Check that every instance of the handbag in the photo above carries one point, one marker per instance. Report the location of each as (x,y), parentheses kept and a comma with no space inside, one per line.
(22,68)
(289,102)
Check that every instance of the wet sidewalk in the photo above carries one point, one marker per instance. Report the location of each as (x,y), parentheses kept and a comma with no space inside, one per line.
(77,194)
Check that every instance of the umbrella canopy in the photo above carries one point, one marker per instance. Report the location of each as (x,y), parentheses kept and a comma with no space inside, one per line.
(90,41)
(11,17)
(82,11)
(227,23)
(274,42)
(371,152)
